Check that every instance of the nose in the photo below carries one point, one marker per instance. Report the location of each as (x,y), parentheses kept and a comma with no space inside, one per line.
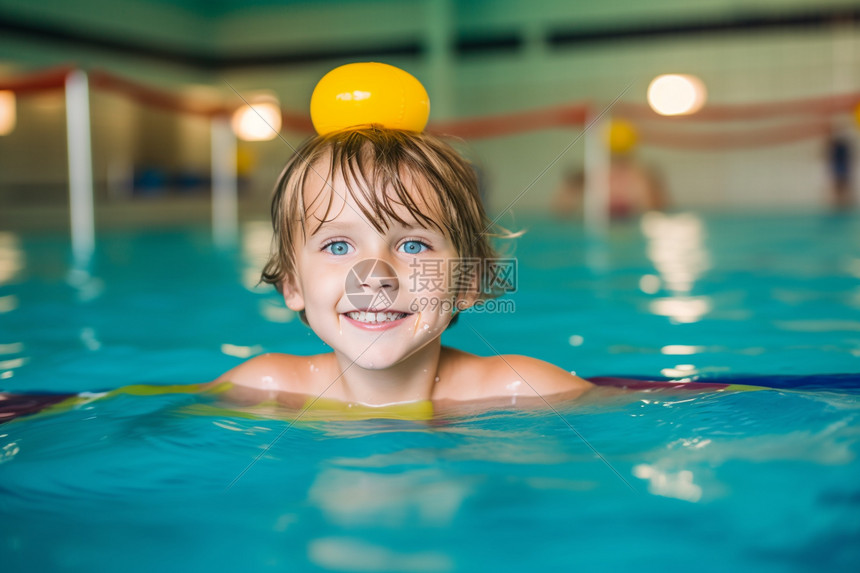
(375,282)
(376,274)
(372,284)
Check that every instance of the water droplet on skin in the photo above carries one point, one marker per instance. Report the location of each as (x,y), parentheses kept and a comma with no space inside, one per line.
(437,379)
(426,327)
(513,385)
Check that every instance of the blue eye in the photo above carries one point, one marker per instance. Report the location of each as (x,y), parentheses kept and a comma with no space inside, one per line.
(413,247)
(338,248)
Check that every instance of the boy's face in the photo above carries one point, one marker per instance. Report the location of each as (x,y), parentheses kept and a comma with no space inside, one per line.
(375,297)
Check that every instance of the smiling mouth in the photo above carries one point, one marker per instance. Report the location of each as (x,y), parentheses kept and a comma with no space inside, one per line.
(369,317)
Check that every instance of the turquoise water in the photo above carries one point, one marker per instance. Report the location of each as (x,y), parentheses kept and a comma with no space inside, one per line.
(749,481)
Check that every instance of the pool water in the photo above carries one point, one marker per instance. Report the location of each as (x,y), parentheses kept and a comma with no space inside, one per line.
(142,480)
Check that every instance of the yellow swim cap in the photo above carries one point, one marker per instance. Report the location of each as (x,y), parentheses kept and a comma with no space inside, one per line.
(621,136)
(368,93)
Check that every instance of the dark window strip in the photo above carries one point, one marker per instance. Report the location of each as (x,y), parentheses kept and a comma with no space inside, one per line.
(465,44)
(195,59)
(748,23)
(468,44)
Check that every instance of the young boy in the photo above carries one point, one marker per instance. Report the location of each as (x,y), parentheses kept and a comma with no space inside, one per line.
(361,217)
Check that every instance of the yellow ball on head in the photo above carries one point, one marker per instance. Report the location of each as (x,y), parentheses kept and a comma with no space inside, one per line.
(368,93)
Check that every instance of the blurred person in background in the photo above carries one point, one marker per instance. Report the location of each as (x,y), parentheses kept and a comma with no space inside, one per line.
(840,158)
(634,188)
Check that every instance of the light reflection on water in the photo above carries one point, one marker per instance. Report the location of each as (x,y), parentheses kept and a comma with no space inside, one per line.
(12,258)
(675,246)
(749,294)
(13,261)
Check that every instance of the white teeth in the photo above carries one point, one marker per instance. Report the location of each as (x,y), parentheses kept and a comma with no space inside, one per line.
(372,317)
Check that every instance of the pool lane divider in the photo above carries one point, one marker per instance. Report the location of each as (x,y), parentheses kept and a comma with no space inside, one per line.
(637,384)
(14,406)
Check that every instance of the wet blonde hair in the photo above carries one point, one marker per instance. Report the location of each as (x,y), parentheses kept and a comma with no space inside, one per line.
(398,163)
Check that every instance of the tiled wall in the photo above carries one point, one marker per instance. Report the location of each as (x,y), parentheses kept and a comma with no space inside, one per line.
(765,65)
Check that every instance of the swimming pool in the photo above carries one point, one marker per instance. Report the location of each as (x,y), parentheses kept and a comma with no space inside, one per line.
(751,481)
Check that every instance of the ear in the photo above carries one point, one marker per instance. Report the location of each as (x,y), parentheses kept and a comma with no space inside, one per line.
(292,294)
(467,298)
(470,292)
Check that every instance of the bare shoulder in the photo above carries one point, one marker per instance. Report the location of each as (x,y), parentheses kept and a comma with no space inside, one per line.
(272,372)
(474,377)
(514,374)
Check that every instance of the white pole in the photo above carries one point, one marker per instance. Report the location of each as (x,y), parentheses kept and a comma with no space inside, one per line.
(596,192)
(225,188)
(80,167)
